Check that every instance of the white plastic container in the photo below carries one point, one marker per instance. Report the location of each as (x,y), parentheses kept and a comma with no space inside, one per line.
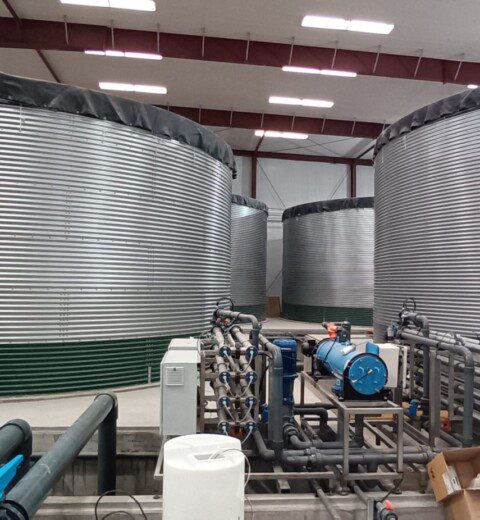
(202,480)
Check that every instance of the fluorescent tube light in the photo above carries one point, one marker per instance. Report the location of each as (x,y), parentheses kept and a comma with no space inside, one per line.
(280,100)
(325,72)
(340,24)
(135,5)
(325,22)
(472,86)
(121,54)
(319,103)
(341,73)
(115,54)
(284,135)
(370,27)
(130,87)
(301,70)
(143,55)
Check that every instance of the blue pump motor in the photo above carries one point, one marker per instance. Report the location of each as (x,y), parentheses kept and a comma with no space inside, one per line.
(360,375)
(289,358)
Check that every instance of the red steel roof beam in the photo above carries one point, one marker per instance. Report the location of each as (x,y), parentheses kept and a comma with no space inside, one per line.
(50,35)
(282,123)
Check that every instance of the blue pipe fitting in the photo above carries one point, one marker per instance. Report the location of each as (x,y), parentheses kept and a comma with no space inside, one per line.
(224,401)
(224,351)
(224,376)
(289,358)
(251,353)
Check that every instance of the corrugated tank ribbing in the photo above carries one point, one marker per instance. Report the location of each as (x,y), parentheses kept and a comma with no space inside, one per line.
(427,191)
(328,265)
(249,259)
(108,234)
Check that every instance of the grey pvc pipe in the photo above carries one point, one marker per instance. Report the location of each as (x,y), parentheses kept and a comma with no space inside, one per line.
(314,458)
(217,334)
(275,394)
(423,323)
(28,495)
(245,318)
(468,375)
(241,338)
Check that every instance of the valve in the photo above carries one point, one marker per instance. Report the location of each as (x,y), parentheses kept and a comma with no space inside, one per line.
(384,511)
(8,472)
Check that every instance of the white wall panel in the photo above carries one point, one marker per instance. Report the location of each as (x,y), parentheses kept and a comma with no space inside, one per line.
(365,177)
(242,185)
(282,184)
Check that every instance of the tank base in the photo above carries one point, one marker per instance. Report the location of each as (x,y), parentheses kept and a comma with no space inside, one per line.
(319,314)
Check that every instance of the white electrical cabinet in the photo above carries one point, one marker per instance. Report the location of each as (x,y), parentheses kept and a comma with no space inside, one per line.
(184,344)
(178,389)
(390,353)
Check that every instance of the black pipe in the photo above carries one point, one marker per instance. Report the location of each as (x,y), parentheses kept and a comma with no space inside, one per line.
(16,439)
(24,500)
(313,410)
(325,406)
(107,452)
(291,433)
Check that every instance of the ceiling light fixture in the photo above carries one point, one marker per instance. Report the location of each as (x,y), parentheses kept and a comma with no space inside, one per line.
(472,86)
(121,54)
(284,135)
(325,72)
(134,5)
(130,87)
(340,24)
(340,73)
(318,103)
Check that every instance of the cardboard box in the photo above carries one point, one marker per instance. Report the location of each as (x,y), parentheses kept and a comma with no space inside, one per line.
(451,473)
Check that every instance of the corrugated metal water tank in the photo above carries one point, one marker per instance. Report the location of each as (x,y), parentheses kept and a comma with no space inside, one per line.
(328,261)
(427,216)
(249,255)
(114,237)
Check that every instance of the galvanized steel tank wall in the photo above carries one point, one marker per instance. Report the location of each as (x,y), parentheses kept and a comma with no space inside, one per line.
(328,264)
(249,255)
(113,240)
(427,229)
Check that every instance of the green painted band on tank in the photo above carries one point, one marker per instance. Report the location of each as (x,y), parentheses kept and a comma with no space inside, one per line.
(257,310)
(43,368)
(318,314)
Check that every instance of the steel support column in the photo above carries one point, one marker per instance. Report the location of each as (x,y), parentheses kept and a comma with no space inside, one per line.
(352,191)
(253,191)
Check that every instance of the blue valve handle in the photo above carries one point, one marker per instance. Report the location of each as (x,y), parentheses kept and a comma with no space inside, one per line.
(8,472)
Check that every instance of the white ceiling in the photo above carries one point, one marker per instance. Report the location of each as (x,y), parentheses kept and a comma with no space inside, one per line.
(423,24)
(419,24)
(328,145)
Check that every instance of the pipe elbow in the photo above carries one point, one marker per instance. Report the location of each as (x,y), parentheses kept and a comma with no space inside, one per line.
(23,426)
(113,397)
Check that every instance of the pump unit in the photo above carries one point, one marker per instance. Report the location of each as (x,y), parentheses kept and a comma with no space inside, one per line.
(361,375)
